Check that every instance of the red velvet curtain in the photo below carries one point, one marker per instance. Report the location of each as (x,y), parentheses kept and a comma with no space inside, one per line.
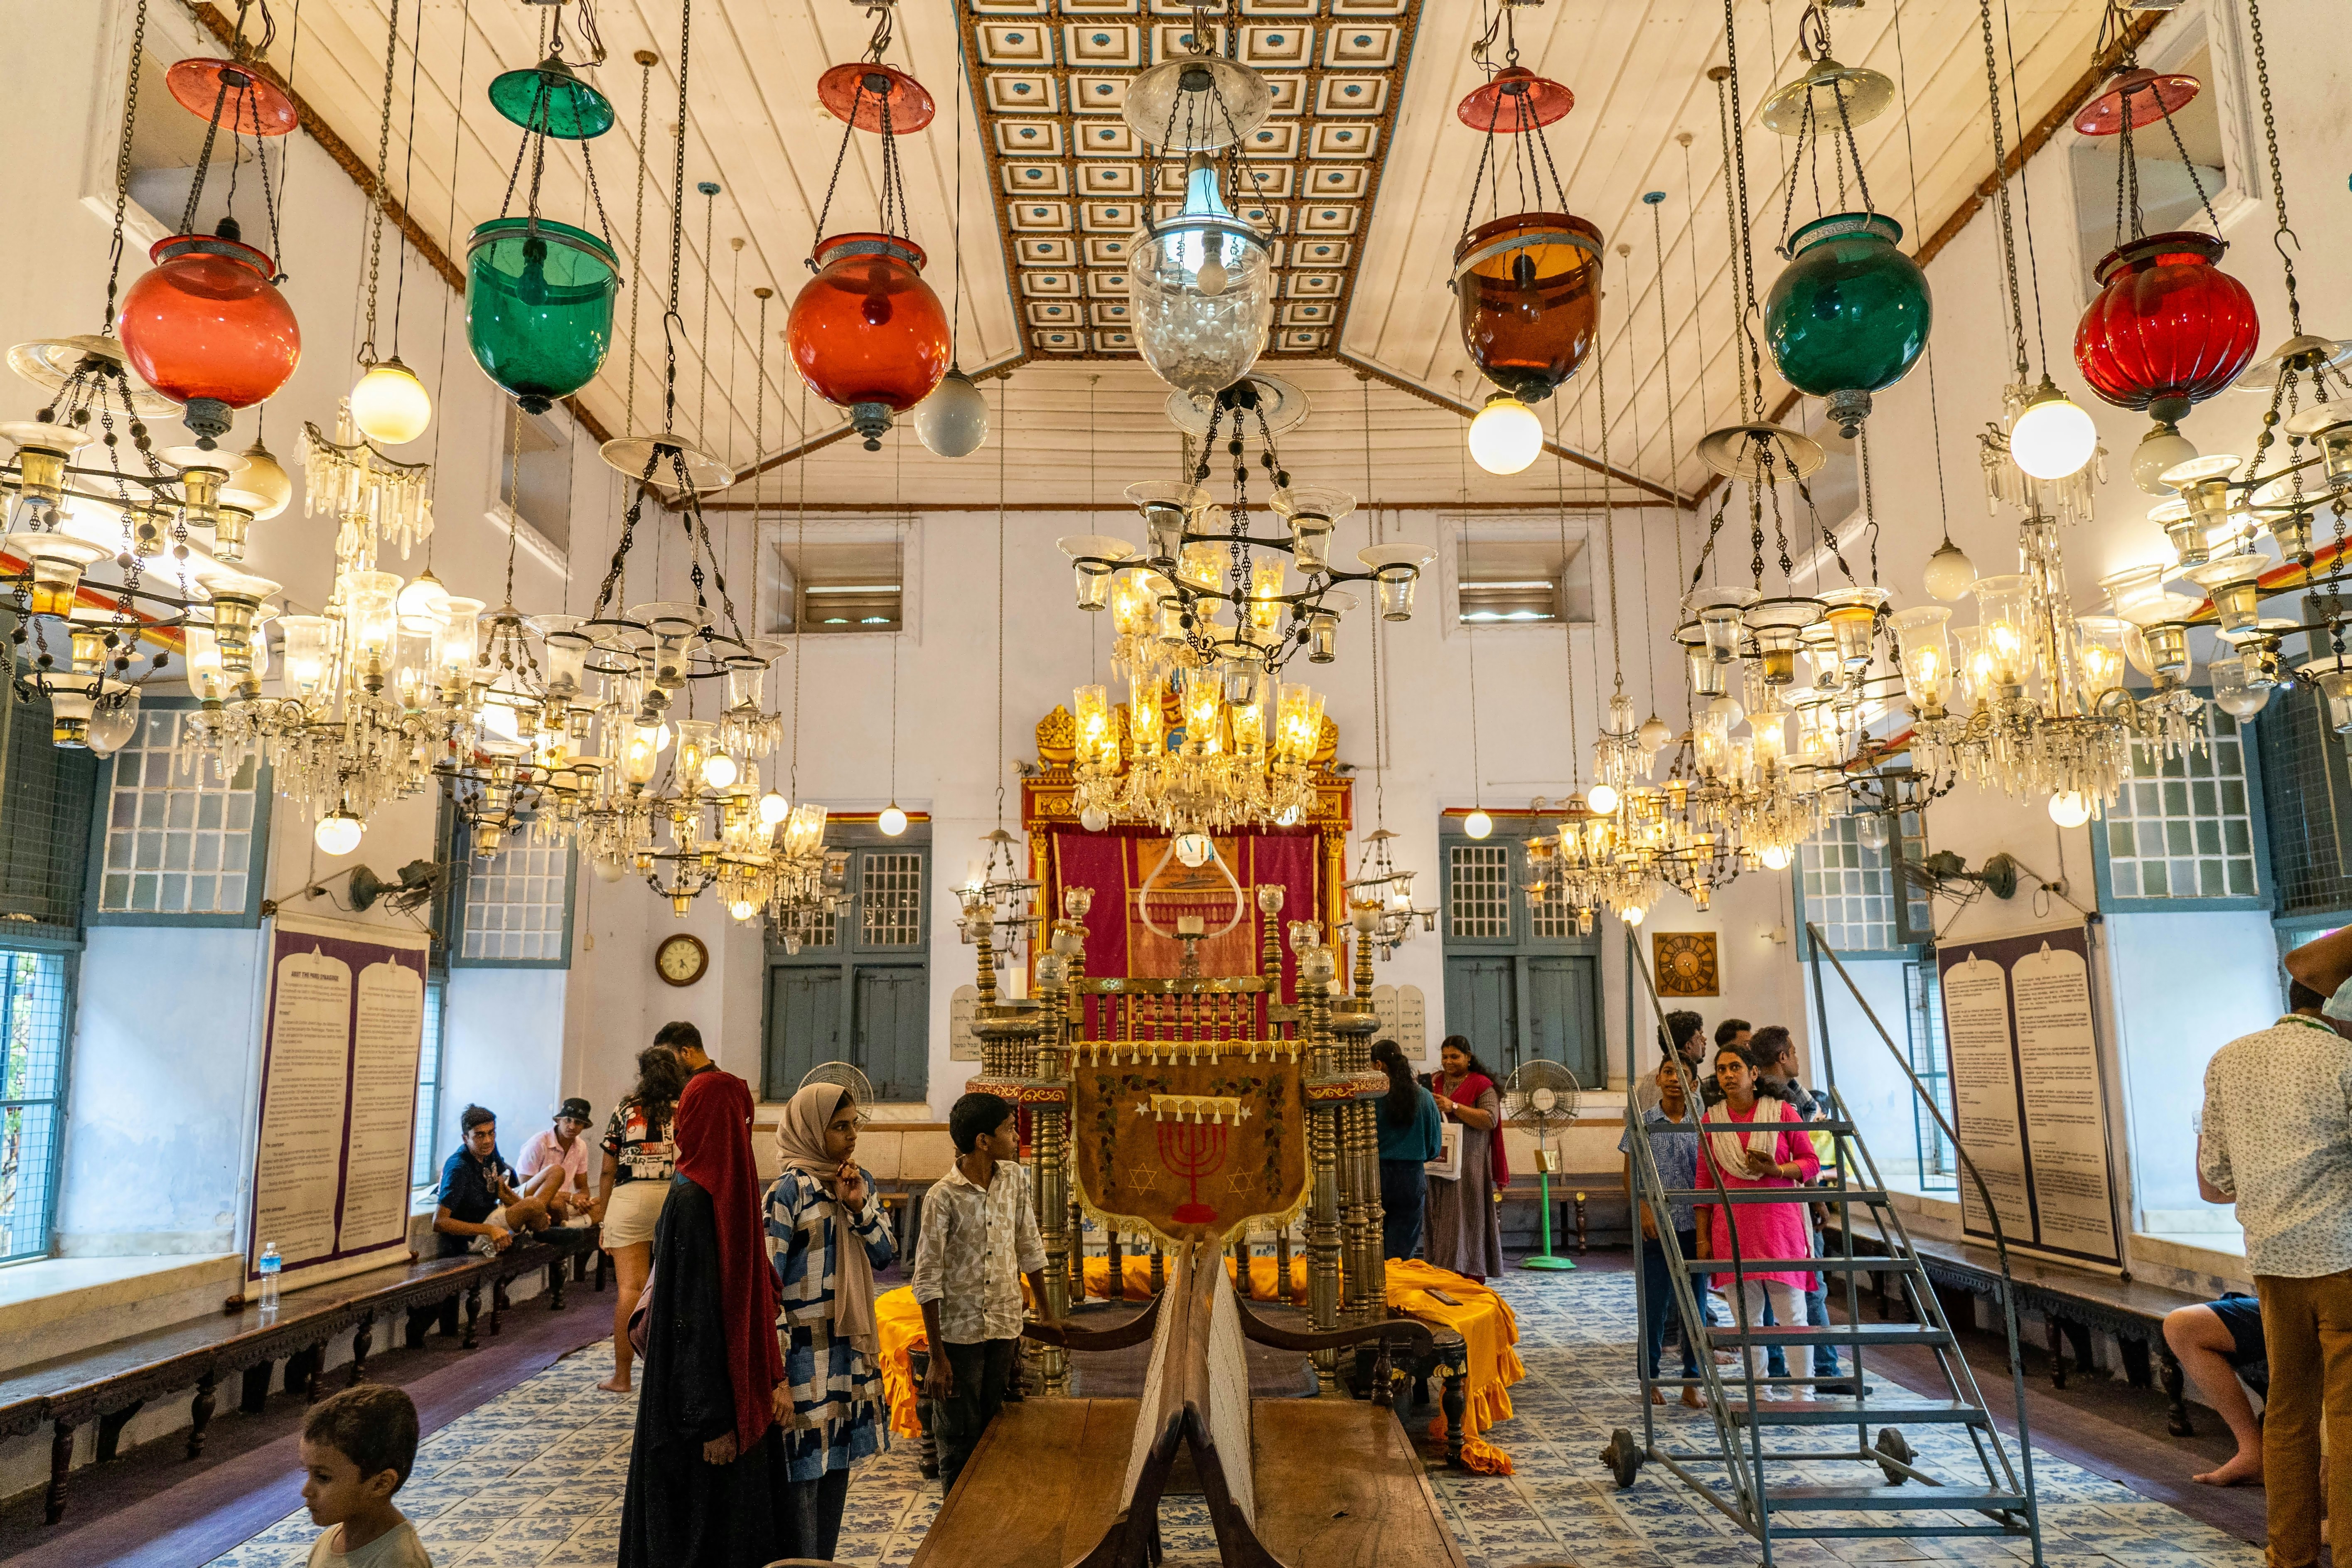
(1116,864)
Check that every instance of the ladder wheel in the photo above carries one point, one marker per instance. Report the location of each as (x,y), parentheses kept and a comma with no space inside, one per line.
(1623,1457)
(1897,1448)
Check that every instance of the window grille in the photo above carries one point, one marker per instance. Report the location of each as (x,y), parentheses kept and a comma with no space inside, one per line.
(1480,904)
(1849,888)
(44,824)
(2183,826)
(33,1035)
(424,1168)
(1924,1000)
(890,899)
(1552,917)
(179,832)
(518,906)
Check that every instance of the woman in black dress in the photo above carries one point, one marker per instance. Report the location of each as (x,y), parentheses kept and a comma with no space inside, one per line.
(708,1485)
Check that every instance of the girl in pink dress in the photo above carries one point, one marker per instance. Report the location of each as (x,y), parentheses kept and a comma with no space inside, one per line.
(1774,1154)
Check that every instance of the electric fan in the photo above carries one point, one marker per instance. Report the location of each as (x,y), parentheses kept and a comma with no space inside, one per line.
(849,1077)
(1542,1094)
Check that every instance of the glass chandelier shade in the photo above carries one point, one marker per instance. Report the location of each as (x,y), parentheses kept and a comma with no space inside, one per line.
(867,331)
(550,98)
(207,328)
(538,306)
(1849,314)
(1526,298)
(2168,328)
(1506,436)
(1202,291)
(2052,439)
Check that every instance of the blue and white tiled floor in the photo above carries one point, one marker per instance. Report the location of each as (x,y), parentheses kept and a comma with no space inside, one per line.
(535,1478)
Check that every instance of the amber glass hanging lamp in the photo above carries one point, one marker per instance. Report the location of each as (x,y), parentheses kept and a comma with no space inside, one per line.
(1526,285)
(207,327)
(867,334)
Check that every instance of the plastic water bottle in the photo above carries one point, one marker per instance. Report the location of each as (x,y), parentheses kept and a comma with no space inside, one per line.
(270,1263)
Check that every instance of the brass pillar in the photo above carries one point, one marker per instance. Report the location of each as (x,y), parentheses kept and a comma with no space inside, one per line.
(1324,1230)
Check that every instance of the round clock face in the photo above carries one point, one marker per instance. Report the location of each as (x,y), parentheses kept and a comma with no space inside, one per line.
(681,960)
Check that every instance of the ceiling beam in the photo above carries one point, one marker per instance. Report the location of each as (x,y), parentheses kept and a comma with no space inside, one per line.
(1454,406)
(225,29)
(2086,87)
(889,508)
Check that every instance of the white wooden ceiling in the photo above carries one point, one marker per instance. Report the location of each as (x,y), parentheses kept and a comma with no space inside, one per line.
(1638,68)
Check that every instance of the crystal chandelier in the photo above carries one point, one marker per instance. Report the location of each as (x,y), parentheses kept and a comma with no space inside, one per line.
(1380,897)
(1206,621)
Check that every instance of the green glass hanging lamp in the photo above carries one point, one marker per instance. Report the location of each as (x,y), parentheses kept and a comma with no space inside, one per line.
(539,293)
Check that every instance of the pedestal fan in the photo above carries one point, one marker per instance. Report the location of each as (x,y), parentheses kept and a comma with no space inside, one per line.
(1542,1094)
(849,1077)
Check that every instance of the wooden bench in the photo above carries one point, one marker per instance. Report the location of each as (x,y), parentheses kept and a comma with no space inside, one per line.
(2074,1304)
(1313,1483)
(111,1382)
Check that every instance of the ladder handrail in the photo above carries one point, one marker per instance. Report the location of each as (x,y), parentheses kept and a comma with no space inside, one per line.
(1992,1215)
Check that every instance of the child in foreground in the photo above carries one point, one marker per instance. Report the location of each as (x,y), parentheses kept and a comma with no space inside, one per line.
(357,1450)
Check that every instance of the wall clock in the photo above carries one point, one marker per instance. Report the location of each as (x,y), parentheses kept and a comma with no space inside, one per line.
(1685,963)
(681,959)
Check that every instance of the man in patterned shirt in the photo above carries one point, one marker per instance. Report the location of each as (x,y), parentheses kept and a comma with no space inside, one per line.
(2277,1141)
(979,1236)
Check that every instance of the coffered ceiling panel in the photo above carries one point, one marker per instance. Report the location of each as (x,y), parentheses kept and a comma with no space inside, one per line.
(1069,174)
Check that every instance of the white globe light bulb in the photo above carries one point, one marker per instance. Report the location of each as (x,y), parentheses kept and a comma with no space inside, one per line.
(742,909)
(1632,916)
(1731,708)
(1094,819)
(1870,831)
(2163,448)
(952,421)
(1212,277)
(338,832)
(1775,857)
(1194,849)
(892,822)
(1477,824)
(1950,573)
(423,605)
(1506,436)
(2070,808)
(390,406)
(2052,439)
(720,771)
(1653,733)
(610,868)
(1603,798)
(773,808)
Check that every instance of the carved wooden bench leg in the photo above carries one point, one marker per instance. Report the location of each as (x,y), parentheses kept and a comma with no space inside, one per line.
(497,1306)
(110,1430)
(473,1314)
(53,1503)
(1455,1401)
(2055,1334)
(2174,1392)
(362,1341)
(919,1366)
(200,1414)
(314,1368)
(555,1272)
(253,1397)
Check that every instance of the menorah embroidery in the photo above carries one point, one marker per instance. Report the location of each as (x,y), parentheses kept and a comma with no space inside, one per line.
(1193,1150)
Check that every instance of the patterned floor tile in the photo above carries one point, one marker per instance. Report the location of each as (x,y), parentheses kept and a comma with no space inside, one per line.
(534,1479)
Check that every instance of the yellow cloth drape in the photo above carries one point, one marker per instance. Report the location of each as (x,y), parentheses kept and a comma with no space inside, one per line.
(1484,1320)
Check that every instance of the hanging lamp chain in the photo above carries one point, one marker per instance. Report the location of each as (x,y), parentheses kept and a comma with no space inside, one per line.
(123,168)
(2284,231)
(380,207)
(2000,190)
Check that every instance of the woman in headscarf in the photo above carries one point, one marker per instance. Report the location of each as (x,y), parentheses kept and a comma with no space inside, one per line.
(826,1237)
(1411,1135)
(708,1484)
(1466,1226)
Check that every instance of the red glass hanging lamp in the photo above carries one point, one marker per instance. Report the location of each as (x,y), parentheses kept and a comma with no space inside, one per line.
(2168,328)
(1527,286)
(207,328)
(867,334)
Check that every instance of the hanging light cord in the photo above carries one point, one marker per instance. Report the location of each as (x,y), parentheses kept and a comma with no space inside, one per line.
(449,226)
(1372,527)
(1003,390)
(2025,194)
(1566,632)
(800,602)
(644,58)
(2000,190)
(1609,517)
(758,444)
(407,180)
(1911,153)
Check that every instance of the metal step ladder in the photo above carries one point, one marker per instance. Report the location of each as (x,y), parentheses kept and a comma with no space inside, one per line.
(1756,1482)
